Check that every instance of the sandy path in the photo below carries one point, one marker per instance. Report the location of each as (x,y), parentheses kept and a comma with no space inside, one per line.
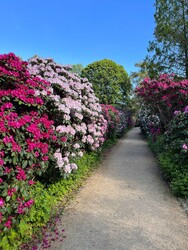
(125,205)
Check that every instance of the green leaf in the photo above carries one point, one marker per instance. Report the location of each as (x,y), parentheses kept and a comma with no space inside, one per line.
(24,164)
(15,160)
(8,198)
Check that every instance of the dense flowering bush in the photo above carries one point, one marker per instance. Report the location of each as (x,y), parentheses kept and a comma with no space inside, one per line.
(176,136)
(118,120)
(174,154)
(125,121)
(26,138)
(164,118)
(150,124)
(112,115)
(71,103)
(165,95)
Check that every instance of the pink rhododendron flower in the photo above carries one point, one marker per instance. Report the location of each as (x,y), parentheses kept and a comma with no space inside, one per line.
(177,112)
(1,162)
(45,158)
(185,146)
(1,202)
(29,203)
(21,174)
(7,170)
(31,182)
(11,191)
(63,139)
(67,168)
(186,110)
(8,224)
(73,166)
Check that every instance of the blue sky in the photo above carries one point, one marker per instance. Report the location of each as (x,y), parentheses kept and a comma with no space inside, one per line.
(81,31)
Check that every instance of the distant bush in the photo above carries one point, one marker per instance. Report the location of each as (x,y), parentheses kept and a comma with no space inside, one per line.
(118,120)
(150,124)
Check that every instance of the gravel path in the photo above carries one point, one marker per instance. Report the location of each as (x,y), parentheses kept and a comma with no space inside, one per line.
(125,205)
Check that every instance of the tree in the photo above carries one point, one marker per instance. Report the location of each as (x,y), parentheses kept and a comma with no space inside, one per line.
(169,51)
(138,76)
(77,68)
(110,81)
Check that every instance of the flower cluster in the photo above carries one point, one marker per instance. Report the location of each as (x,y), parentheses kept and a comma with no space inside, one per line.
(74,108)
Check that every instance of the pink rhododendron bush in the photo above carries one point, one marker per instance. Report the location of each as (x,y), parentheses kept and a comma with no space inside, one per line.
(48,118)
(72,105)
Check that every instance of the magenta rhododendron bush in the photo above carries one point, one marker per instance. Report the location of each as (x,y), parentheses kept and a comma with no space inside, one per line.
(165,95)
(27,137)
(112,115)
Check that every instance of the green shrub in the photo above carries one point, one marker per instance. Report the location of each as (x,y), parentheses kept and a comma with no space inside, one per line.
(175,173)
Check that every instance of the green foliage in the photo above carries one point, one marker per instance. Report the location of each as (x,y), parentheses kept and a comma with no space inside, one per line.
(138,76)
(175,173)
(77,68)
(110,81)
(157,146)
(169,50)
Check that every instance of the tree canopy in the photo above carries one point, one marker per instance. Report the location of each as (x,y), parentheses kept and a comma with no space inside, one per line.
(77,68)
(110,81)
(169,50)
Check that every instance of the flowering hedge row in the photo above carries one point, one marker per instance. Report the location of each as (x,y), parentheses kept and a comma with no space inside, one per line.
(48,118)
(163,119)
(44,125)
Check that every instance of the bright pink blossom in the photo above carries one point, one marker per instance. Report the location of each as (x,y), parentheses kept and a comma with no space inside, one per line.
(8,224)
(31,182)
(11,191)
(21,174)
(185,146)
(1,202)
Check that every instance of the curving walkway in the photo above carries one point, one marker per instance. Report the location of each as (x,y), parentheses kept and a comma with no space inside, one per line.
(125,205)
